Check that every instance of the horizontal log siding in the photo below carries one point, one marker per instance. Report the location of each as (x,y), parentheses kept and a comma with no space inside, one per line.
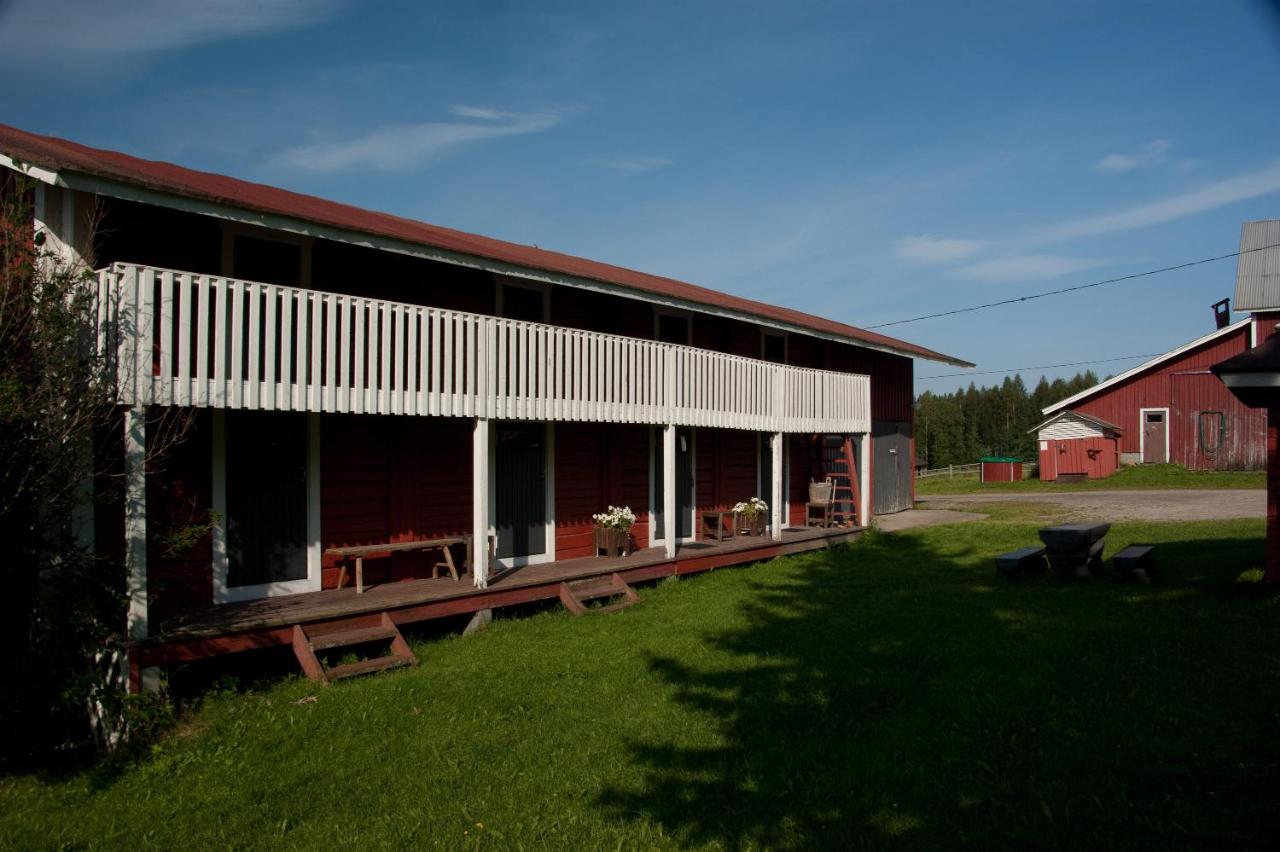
(179,498)
(1095,457)
(393,479)
(598,466)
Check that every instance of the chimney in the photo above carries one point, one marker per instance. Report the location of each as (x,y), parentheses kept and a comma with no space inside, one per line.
(1222,313)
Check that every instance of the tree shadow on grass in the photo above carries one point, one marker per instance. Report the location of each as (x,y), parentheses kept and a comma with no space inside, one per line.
(894,694)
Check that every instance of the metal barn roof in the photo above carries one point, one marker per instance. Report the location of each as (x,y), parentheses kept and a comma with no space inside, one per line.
(114,173)
(1258,267)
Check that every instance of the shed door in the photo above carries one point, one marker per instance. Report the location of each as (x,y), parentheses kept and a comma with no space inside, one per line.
(520,486)
(1153,437)
(891,474)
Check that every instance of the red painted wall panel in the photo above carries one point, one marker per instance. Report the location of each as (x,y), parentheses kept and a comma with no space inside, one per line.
(179,494)
(598,465)
(1095,457)
(1185,386)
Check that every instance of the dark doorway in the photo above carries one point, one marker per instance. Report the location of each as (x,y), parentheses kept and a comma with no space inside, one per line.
(684,484)
(266,482)
(520,487)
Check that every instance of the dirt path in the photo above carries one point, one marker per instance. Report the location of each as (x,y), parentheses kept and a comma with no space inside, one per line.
(1171,505)
(913,518)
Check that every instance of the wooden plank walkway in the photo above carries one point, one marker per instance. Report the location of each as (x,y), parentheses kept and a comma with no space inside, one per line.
(228,628)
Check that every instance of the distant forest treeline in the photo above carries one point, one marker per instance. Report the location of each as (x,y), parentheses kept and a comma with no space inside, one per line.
(961,427)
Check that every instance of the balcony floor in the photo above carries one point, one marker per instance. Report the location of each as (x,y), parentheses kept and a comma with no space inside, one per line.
(227,628)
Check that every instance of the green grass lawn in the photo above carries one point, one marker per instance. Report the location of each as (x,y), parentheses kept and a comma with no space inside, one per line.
(1135,476)
(893,693)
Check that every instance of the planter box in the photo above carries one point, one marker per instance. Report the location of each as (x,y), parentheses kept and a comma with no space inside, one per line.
(749,525)
(612,540)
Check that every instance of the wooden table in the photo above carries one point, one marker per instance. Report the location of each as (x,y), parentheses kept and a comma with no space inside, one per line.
(1075,548)
(360,553)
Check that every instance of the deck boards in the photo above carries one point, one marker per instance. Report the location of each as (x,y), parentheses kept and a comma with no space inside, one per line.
(258,623)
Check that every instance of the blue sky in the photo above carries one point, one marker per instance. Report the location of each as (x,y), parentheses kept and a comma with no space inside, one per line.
(864,161)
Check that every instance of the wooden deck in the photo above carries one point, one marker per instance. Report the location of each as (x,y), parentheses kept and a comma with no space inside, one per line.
(229,628)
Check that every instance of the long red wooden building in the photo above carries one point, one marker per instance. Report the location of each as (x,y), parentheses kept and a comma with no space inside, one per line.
(359,382)
(1169,409)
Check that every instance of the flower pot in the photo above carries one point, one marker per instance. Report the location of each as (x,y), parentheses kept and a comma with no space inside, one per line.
(614,541)
(750,524)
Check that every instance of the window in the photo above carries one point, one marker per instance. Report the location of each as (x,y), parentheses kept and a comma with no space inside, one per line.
(1155,416)
(523,303)
(673,329)
(774,348)
(269,261)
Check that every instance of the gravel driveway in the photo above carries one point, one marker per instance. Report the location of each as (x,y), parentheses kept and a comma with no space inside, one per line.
(1171,505)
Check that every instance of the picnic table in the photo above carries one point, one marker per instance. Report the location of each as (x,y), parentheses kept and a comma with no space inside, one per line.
(359,553)
(1075,548)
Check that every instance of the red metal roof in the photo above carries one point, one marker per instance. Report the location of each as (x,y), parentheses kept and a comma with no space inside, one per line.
(62,155)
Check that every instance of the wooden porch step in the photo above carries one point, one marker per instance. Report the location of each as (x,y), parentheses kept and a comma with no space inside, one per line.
(360,636)
(364,667)
(575,594)
(305,648)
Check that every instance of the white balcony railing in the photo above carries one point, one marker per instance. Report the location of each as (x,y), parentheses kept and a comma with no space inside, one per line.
(206,341)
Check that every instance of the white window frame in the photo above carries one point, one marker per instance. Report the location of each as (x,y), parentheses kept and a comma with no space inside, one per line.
(549,555)
(222,593)
(662,311)
(766,333)
(231,230)
(1142,433)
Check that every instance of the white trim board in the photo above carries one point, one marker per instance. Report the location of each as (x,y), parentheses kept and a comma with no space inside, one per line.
(1159,359)
(131,192)
(1142,433)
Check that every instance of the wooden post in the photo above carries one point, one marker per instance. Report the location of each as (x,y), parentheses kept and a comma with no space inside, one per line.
(1272,564)
(135,517)
(775,480)
(864,480)
(669,509)
(480,502)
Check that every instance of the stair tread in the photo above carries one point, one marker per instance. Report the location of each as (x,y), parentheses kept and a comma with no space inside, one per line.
(376,664)
(358,636)
(603,610)
(593,588)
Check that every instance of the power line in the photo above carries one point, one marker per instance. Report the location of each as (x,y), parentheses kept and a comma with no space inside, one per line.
(1041,367)
(1131,277)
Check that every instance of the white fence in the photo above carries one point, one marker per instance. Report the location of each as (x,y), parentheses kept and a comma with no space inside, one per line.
(963,470)
(206,341)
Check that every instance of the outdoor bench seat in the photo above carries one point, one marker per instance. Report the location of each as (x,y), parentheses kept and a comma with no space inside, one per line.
(1024,560)
(1135,557)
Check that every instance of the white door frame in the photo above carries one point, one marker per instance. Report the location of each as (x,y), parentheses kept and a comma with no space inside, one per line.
(1142,433)
(548,555)
(222,593)
(654,437)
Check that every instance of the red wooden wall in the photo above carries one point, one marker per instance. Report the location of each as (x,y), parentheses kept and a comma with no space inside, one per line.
(725,473)
(1185,386)
(179,489)
(599,465)
(1095,457)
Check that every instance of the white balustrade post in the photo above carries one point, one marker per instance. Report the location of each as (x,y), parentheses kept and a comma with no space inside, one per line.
(864,480)
(480,502)
(135,517)
(775,480)
(669,510)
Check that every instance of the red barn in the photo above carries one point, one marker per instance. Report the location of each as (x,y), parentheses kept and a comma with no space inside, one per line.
(1170,409)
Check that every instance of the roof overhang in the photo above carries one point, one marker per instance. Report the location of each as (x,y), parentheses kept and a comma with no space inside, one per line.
(1253,377)
(76,179)
(1147,365)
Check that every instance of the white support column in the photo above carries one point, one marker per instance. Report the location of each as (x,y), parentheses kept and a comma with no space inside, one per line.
(776,442)
(480,502)
(135,517)
(864,480)
(669,510)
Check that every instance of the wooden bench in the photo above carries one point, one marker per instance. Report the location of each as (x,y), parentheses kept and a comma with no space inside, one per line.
(1134,560)
(718,525)
(1024,560)
(360,553)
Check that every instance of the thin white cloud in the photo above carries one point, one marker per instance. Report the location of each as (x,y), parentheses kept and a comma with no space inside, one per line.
(636,164)
(1023,267)
(405,146)
(926,248)
(1153,153)
(79,31)
(1228,191)
(483,113)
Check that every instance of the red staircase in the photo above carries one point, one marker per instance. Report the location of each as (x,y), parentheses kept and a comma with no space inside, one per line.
(577,593)
(309,646)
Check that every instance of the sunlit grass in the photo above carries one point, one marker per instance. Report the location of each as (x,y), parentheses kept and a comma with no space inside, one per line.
(893,693)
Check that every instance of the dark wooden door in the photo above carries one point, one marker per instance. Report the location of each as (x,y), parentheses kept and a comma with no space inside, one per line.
(266,476)
(520,489)
(1154,432)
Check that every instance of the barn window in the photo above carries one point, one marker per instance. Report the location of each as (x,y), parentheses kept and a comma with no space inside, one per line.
(1211,427)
